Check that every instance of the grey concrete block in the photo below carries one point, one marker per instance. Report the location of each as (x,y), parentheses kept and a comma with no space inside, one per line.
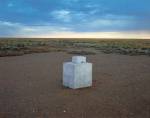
(78,73)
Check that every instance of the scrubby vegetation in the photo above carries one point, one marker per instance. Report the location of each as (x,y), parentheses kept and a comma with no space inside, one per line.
(15,47)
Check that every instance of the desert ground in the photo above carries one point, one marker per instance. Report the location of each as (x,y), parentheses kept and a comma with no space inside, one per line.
(31,79)
(31,87)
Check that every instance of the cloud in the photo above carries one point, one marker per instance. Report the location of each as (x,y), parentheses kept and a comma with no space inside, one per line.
(62,15)
(93,8)
(108,22)
(9,24)
(20,7)
(123,35)
(69,2)
(88,21)
(68,16)
(10,4)
(79,15)
(10,29)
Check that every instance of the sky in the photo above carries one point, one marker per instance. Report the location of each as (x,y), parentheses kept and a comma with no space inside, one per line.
(75,18)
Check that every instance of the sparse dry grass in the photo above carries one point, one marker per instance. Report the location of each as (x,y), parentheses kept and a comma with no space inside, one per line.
(15,47)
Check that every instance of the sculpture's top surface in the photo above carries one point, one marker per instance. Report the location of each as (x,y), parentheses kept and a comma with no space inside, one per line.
(78,59)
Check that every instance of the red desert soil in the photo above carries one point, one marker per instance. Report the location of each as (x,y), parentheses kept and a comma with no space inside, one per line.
(31,87)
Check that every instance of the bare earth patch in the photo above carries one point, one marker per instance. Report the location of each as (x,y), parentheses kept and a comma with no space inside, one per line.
(31,87)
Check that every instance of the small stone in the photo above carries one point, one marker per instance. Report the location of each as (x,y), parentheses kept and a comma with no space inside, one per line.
(64,111)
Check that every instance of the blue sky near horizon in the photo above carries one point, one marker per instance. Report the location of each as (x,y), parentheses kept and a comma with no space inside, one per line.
(34,17)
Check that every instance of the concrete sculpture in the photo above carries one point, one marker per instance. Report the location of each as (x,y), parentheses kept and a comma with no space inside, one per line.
(78,73)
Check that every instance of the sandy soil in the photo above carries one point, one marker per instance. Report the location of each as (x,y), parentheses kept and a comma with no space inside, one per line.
(31,87)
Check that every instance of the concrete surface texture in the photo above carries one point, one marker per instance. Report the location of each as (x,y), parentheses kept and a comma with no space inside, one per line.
(78,73)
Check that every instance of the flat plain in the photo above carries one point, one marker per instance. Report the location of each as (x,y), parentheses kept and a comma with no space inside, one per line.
(31,79)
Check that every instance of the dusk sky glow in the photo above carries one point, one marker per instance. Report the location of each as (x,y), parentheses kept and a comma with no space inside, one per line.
(75,18)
